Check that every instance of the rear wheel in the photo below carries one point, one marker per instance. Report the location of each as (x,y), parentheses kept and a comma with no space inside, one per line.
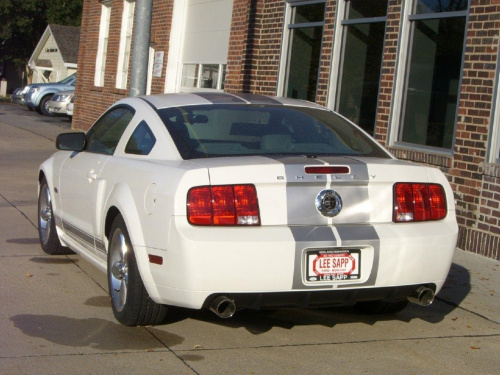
(46,224)
(381,307)
(130,301)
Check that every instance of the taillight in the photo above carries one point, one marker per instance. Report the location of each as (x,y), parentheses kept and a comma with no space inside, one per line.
(419,202)
(223,205)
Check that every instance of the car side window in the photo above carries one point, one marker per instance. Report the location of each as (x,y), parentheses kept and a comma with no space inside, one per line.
(141,141)
(104,136)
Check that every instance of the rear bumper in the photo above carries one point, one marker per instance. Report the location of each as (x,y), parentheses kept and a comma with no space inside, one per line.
(267,266)
(317,298)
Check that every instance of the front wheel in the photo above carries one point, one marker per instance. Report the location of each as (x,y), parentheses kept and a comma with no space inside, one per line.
(43,108)
(130,300)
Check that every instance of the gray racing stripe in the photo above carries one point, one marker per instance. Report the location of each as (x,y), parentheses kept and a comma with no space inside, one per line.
(220,98)
(361,235)
(312,230)
(309,236)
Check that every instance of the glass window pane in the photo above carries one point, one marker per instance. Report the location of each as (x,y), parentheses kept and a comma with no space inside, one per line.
(361,73)
(209,76)
(309,13)
(190,75)
(104,136)
(232,129)
(366,9)
(141,141)
(304,58)
(438,6)
(433,82)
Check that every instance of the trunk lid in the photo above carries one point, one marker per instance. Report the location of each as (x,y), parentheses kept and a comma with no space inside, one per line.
(289,196)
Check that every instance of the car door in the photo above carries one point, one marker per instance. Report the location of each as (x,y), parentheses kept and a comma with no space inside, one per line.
(81,188)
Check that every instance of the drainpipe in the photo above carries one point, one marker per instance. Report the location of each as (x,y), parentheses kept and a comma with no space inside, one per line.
(140,51)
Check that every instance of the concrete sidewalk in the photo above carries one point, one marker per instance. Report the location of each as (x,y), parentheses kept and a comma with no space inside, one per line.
(474,285)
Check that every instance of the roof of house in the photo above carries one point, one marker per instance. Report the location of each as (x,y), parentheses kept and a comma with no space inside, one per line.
(68,40)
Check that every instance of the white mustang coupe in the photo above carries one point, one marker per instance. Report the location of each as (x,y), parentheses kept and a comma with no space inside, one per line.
(226,202)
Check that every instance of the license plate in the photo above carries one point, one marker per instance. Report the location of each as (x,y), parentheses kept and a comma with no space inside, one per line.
(333,265)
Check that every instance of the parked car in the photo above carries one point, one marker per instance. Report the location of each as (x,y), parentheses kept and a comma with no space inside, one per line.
(39,94)
(232,201)
(18,95)
(58,104)
(69,108)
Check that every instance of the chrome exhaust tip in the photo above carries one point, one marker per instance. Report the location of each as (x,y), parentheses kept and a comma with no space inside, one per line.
(422,296)
(223,307)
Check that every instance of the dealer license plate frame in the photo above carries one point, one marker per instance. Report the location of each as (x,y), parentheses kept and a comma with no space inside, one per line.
(314,272)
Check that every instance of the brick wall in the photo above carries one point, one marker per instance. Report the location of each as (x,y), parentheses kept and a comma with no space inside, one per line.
(92,101)
(477,184)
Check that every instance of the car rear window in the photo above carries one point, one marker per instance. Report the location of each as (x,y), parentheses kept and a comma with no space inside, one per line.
(235,130)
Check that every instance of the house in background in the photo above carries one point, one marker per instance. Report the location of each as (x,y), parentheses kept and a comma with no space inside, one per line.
(56,55)
(421,76)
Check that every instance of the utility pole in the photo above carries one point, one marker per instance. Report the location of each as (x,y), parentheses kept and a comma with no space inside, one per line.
(140,51)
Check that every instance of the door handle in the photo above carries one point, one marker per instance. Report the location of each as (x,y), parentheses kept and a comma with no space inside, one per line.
(92,175)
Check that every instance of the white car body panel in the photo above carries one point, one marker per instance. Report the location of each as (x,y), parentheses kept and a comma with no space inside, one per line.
(150,193)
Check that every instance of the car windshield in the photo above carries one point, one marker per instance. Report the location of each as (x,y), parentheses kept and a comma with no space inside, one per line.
(207,131)
(68,80)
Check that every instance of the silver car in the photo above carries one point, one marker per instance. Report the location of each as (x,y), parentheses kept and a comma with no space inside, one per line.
(57,105)
(69,108)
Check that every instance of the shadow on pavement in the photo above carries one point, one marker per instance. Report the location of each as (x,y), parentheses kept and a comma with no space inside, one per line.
(94,333)
(456,288)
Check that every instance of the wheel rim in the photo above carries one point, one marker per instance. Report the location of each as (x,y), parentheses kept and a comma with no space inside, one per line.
(44,214)
(118,273)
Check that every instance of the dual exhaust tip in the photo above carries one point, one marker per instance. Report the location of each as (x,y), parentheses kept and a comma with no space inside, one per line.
(422,296)
(225,308)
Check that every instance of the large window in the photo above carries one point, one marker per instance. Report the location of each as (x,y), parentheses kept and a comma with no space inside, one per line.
(433,73)
(363,42)
(125,44)
(204,76)
(100,63)
(305,34)
(206,44)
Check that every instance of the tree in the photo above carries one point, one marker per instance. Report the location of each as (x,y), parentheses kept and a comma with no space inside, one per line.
(24,21)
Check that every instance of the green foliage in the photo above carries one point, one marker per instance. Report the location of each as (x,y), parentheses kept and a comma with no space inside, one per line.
(24,21)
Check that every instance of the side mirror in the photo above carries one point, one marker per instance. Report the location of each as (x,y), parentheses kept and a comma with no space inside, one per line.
(70,141)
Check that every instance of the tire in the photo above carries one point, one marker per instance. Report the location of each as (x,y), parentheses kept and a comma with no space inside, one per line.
(43,108)
(47,233)
(381,307)
(130,301)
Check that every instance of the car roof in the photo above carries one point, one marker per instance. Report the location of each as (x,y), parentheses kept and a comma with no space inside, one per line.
(206,98)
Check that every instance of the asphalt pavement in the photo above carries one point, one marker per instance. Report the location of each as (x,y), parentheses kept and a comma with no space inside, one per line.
(55,316)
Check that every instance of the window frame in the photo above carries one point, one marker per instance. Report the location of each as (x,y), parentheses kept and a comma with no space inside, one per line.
(220,78)
(402,75)
(125,49)
(102,47)
(494,141)
(341,23)
(288,26)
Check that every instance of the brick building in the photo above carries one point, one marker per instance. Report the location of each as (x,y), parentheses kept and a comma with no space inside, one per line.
(420,75)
